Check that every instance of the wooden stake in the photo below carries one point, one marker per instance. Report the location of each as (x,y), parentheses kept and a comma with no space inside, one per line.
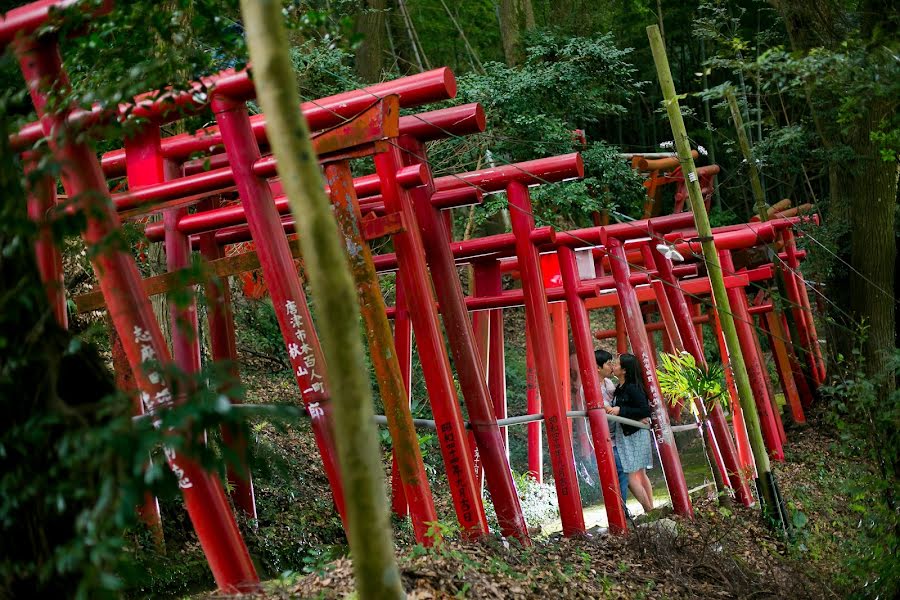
(766,481)
(331,283)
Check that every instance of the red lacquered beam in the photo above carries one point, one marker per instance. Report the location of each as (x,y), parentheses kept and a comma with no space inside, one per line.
(415,90)
(532,172)
(26,19)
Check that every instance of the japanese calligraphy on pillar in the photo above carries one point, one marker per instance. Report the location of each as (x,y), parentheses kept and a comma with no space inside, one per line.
(159,397)
(303,360)
(655,399)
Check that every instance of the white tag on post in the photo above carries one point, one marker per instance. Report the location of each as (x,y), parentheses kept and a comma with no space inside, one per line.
(584,258)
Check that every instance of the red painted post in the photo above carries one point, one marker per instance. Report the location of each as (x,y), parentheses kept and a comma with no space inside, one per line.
(745,453)
(223,350)
(145,165)
(593,395)
(744,324)
(799,298)
(403,346)
(282,281)
(537,320)
(718,427)
(776,411)
(533,400)
(783,365)
(382,351)
(129,308)
(148,511)
(466,356)
(413,275)
(621,335)
(41,201)
(637,335)
(488,282)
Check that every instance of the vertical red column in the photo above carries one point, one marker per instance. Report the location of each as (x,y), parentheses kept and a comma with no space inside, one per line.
(767,380)
(681,313)
(533,402)
(488,282)
(382,352)
(403,345)
(806,326)
(413,274)
(785,375)
(637,335)
(145,165)
(129,308)
(621,336)
(41,201)
(744,324)
(282,280)
(466,355)
(593,395)
(223,350)
(537,320)
(745,453)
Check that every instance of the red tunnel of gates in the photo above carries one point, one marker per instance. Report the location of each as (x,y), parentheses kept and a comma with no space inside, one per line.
(627,267)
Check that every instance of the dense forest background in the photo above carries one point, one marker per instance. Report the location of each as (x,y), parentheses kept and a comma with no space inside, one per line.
(818,86)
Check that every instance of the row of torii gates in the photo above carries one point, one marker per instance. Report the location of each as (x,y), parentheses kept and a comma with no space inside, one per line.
(623,267)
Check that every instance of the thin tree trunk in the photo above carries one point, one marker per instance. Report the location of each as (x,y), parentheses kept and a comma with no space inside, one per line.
(330,280)
(370,54)
(509,32)
(418,51)
(473,56)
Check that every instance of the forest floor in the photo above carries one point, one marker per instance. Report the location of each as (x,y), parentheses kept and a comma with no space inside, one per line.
(722,553)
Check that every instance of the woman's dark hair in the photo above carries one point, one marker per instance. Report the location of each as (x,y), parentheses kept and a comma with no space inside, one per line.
(602,357)
(629,364)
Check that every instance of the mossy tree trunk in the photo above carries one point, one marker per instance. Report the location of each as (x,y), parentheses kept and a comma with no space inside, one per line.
(333,289)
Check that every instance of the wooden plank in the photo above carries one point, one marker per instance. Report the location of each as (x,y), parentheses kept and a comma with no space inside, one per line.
(161,284)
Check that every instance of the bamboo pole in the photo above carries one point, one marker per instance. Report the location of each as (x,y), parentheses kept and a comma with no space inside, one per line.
(762,209)
(766,480)
(374,563)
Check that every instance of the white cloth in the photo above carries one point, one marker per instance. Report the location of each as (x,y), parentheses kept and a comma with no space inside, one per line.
(609,389)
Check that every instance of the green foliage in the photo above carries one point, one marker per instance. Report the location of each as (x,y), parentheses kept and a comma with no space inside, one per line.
(867,422)
(681,379)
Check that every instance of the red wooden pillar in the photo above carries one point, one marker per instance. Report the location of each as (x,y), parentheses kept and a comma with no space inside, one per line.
(403,345)
(467,358)
(785,374)
(417,287)
(744,324)
(533,400)
(282,280)
(223,350)
(129,308)
(718,427)
(537,320)
(41,201)
(637,335)
(621,335)
(593,395)
(776,410)
(797,294)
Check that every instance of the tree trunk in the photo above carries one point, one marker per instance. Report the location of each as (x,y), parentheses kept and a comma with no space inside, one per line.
(868,186)
(526,9)
(509,31)
(374,564)
(370,24)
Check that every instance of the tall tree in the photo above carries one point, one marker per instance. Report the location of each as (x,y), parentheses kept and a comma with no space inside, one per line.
(370,25)
(849,66)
